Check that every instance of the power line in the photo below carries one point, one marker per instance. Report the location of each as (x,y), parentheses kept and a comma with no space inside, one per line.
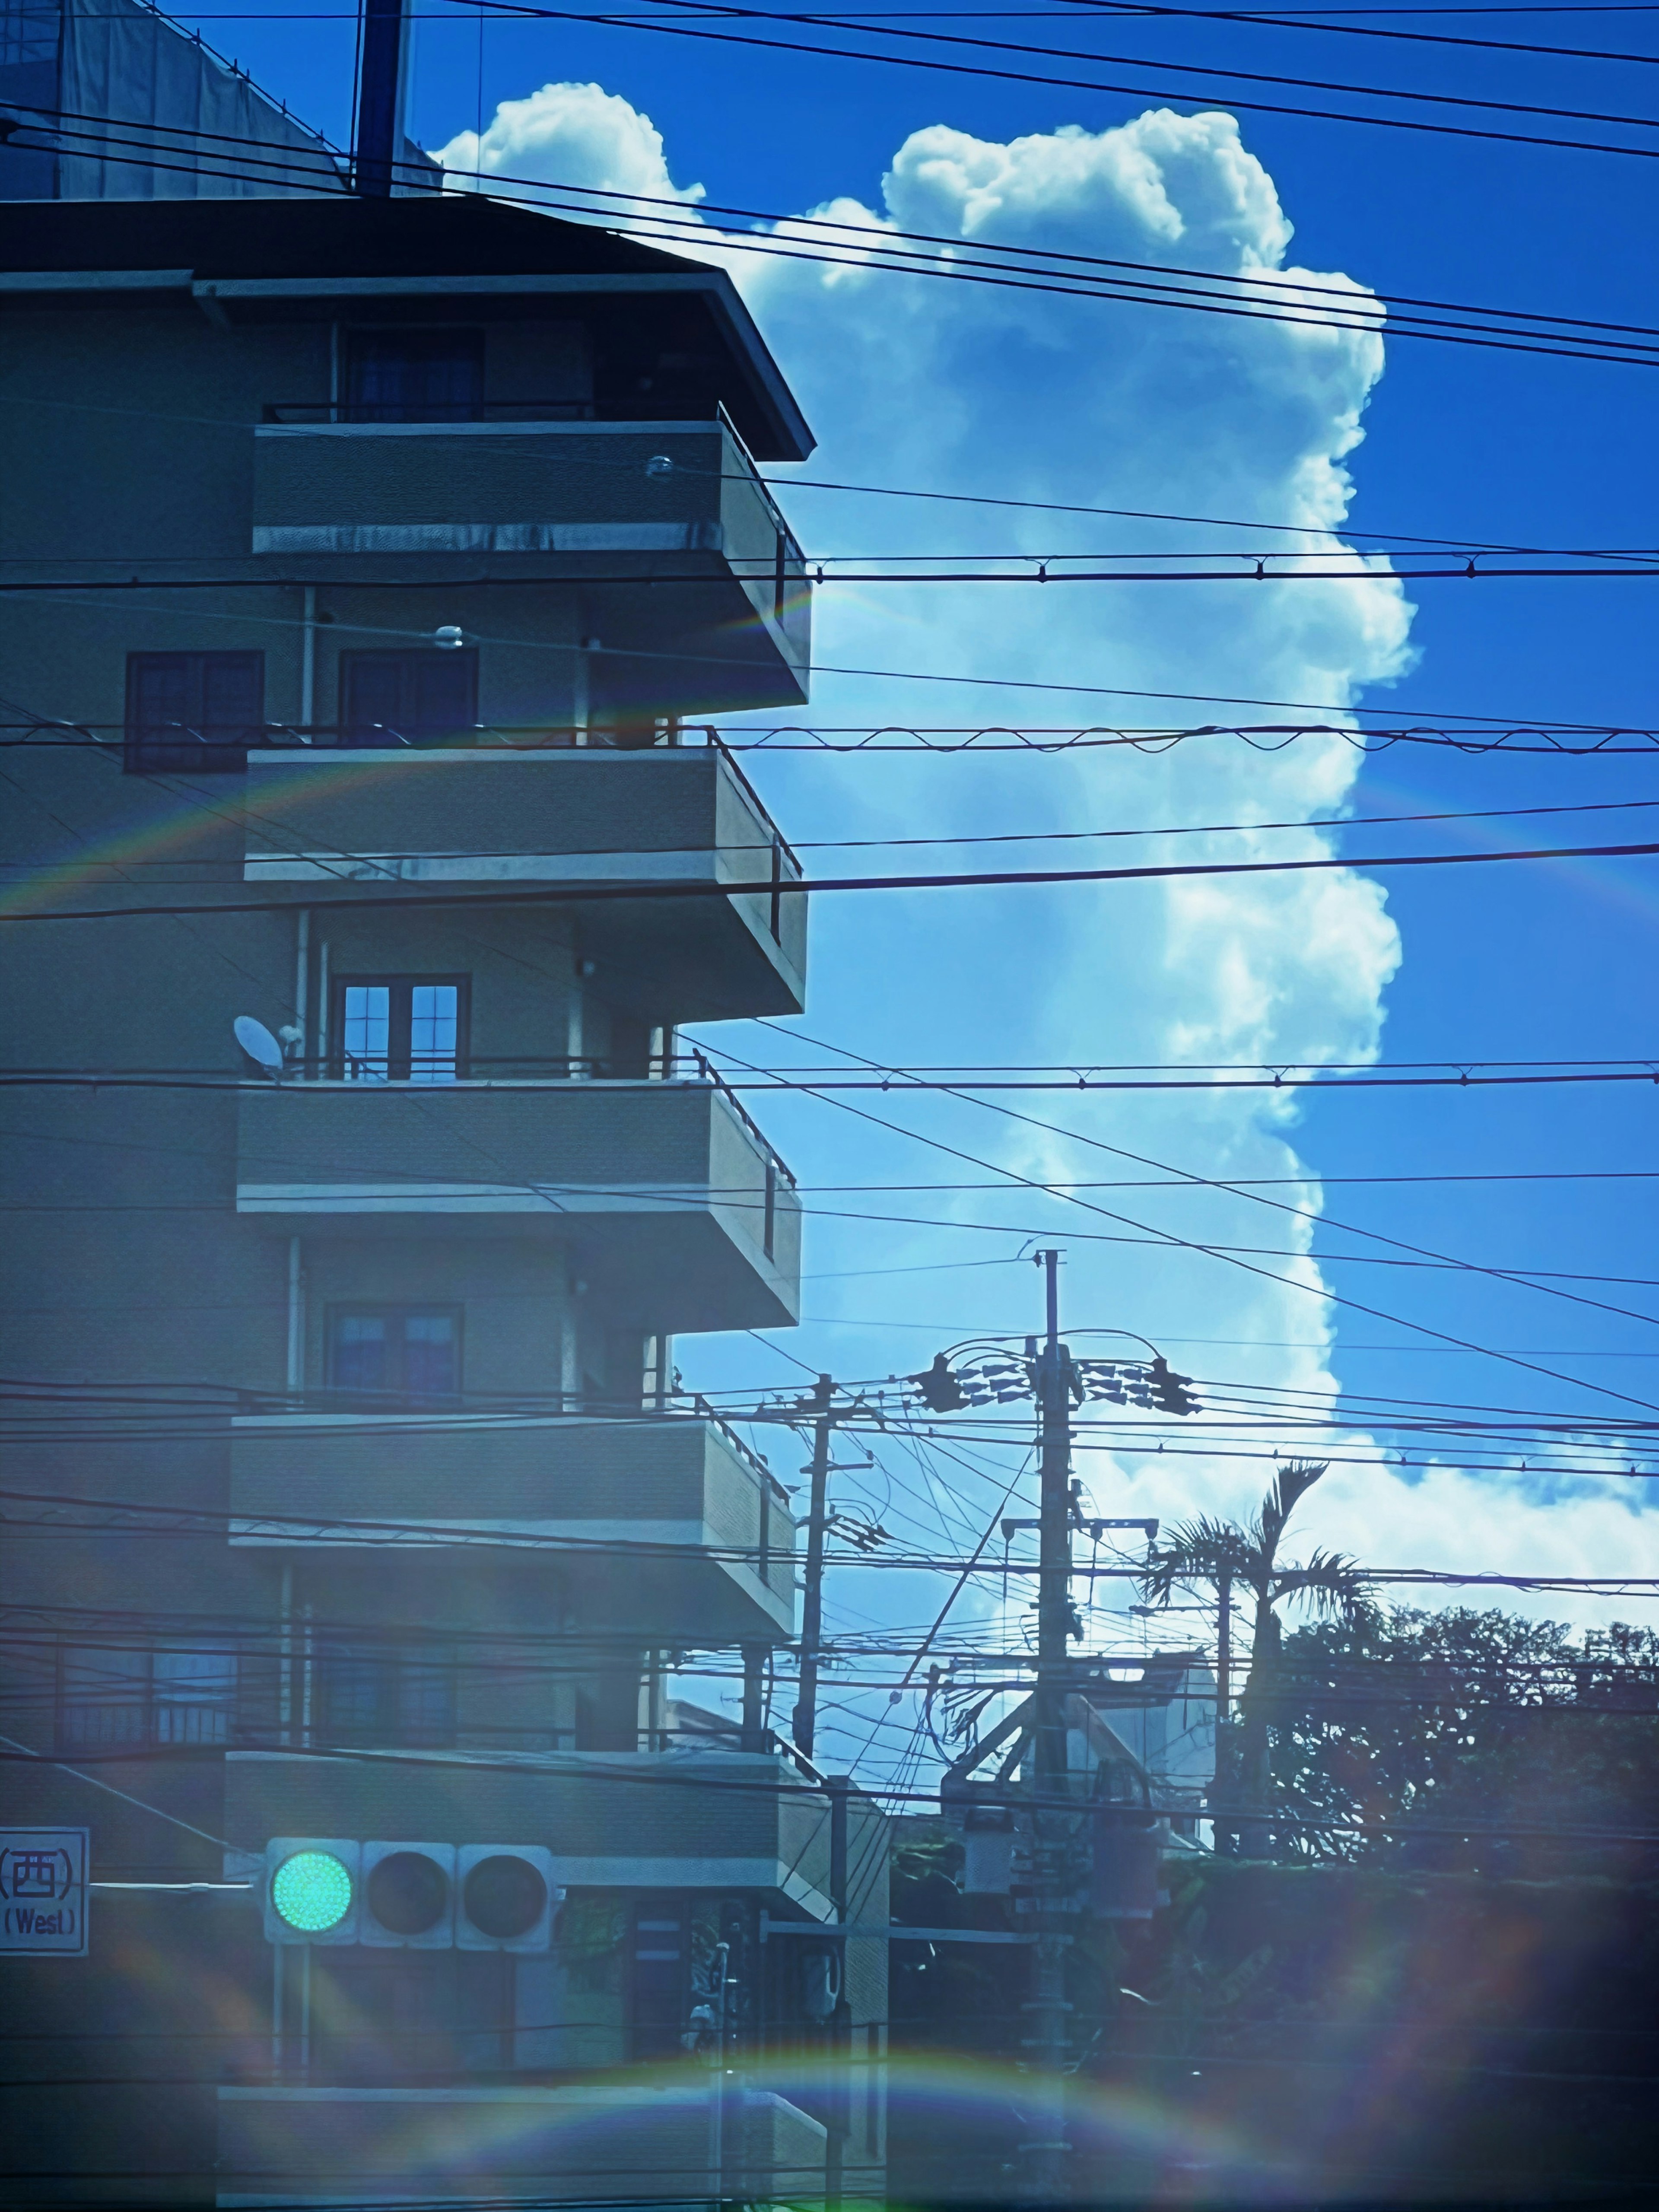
(1376,1313)
(722,10)
(1142,286)
(585,894)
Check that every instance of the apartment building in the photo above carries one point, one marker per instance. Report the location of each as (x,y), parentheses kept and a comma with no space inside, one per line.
(369,566)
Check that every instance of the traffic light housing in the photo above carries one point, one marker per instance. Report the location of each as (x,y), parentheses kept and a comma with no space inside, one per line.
(504,1898)
(941,1392)
(407,1897)
(312,1889)
(1171,1393)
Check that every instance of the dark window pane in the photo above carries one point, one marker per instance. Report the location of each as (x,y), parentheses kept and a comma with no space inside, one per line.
(399,1029)
(355,1684)
(434,1032)
(195,1694)
(395,1351)
(446,688)
(426,1699)
(416,697)
(106,1695)
(359,1352)
(367,1020)
(413,376)
(193,710)
(429,1349)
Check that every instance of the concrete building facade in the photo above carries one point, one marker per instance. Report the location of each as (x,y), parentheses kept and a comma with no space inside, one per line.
(367,563)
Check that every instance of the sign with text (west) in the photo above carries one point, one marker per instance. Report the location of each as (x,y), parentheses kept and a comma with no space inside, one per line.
(43,1891)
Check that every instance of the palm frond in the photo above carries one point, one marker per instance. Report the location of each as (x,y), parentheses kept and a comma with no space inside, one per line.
(1327,1583)
(1200,1550)
(1294,1482)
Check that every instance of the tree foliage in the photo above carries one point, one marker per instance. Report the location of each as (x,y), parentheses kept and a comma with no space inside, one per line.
(1481,1741)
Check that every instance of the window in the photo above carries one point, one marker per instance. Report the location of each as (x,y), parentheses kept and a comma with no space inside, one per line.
(193,710)
(109,1695)
(383,1693)
(417,697)
(413,376)
(395,1351)
(399,1029)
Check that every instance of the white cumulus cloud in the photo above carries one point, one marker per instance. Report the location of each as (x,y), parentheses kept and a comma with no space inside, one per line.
(932,383)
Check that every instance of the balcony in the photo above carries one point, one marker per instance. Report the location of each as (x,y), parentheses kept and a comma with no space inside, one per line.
(667,1524)
(533,820)
(673,1204)
(653,2140)
(677,543)
(736,1821)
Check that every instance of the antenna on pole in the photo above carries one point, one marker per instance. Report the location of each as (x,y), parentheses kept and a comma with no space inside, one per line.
(382,82)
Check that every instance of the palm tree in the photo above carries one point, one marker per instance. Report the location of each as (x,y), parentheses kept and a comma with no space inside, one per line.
(1222,1554)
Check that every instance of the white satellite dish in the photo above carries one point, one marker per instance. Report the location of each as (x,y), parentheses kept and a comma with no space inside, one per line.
(257,1043)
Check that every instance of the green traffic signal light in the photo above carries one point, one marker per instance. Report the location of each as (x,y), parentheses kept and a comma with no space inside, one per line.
(311,1892)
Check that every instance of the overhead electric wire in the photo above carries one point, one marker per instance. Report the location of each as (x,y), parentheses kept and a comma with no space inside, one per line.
(587,893)
(724,10)
(1282,19)
(671,219)
(1193,1245)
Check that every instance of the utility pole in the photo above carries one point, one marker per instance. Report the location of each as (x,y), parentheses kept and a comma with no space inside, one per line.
(1225,1838)
(812,1612)
(1046,2150)
(382,74)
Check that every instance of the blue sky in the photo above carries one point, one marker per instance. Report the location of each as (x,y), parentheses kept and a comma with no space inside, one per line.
(1147,409)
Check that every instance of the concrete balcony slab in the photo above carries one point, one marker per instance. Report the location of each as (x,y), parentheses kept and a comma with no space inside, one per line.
(668,1198)
(666,1525)
(672,514)
(382,821)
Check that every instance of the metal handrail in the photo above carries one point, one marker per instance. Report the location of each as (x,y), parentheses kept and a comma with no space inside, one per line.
(297,1076)
(302,413)
(708,1073)
(717,743)
(755,479)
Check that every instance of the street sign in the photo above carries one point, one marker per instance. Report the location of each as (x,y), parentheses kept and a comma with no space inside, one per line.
(43,1891)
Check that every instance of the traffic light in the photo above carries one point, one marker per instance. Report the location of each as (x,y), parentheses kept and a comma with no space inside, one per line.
(1172,1392)
(941,1391)
(311,1889)
(1151,1384)
(506,1898)
(408,1897)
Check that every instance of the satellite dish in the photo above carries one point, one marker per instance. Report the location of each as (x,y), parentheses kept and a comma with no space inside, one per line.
(257,1043)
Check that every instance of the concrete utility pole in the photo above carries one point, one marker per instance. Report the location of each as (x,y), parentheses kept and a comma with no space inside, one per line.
(1226,1838)
(382,74)
(1046,2150)
(812,1612)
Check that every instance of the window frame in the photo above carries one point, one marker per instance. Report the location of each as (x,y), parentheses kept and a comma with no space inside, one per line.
(147,749)
(359,337)
(338,1310)
(137,1687)
(401,989)
(409,727)
(388,1671)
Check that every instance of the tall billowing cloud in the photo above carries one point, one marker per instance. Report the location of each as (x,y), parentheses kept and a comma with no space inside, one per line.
(932,383)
